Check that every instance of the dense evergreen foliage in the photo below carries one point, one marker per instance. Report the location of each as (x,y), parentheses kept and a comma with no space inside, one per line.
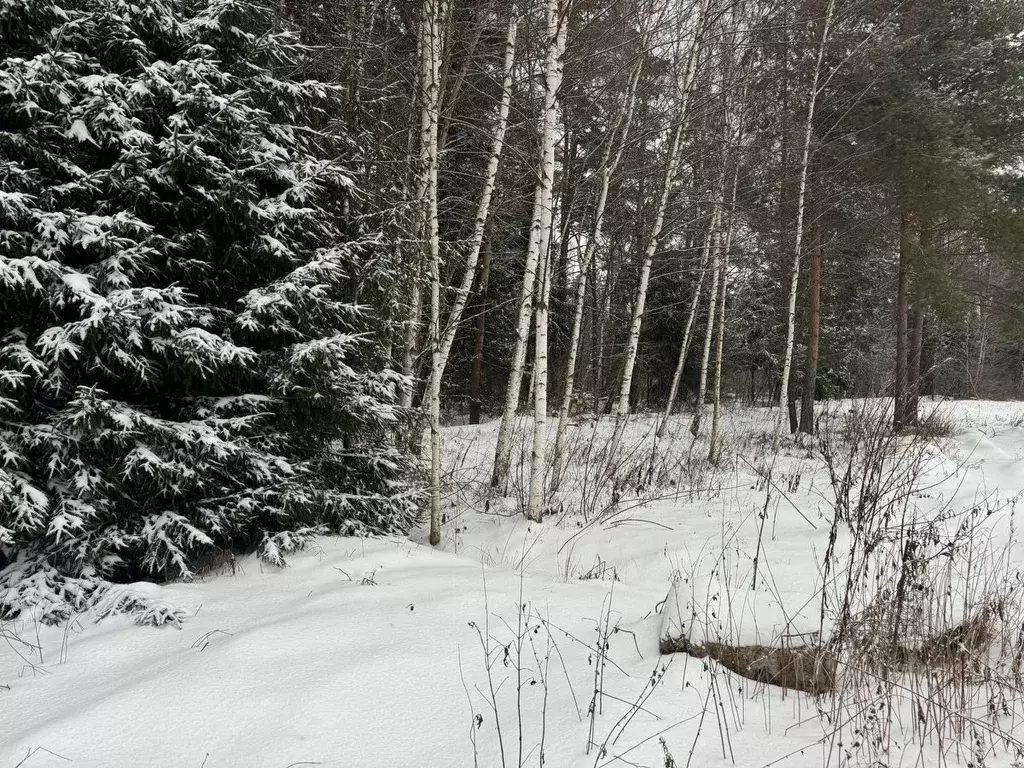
(225,224)
(185,364)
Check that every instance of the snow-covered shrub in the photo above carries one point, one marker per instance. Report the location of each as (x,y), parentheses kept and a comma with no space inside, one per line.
(184,362)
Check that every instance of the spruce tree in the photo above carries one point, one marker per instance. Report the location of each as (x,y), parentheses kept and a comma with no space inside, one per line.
(185,365)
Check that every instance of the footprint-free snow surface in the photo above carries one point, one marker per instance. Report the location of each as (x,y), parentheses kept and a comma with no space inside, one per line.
(488,650)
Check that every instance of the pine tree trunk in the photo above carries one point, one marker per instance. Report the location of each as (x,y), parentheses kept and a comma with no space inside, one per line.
(477,374)
(813,327)
(601,374)
(791,409)
(914,367)
(805,162)
(539,235)
(902,285)
(917,338)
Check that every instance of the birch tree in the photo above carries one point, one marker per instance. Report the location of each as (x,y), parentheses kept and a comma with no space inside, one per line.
(429,156)
(691,316)
(557,25)
(702,387)
(441,343)
(487,194)
(805,161)
(415,317)
(540,230)
(654,237)
(732,139)
(538,457)
(713,440)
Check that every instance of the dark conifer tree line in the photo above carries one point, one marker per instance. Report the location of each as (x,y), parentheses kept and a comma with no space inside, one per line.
(249,248)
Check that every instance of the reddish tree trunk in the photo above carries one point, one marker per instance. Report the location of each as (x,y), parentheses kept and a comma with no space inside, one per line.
(900,411)
(917,341)
(914,368)
(791,399)
(813,327)
(477,374)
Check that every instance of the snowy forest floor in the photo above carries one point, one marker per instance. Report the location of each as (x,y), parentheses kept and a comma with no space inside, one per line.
(518,643)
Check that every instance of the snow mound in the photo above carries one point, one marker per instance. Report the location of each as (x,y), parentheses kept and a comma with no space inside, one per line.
(704,610)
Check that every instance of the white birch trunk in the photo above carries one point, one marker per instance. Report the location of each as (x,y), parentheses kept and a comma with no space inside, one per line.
(677,376)
(429,150)
(728,138)
(415,319)
(557,28)
(787,360)
(671,168)
(716,397)
(713,451)
(736,141)
(538,459)
(539,238)
(702,389)
(640,302)
(451,326)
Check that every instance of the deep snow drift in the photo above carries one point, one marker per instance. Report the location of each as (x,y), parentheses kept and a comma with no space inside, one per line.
(489,650)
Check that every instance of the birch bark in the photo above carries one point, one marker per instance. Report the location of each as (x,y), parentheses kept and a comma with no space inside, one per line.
(654,238)
(484,206)
(714,450)
(539,237)
(677,376)
(787,361)
(702,390)
(429,152)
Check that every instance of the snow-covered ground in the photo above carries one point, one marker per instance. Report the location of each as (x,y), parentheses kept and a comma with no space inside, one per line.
(488,651)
